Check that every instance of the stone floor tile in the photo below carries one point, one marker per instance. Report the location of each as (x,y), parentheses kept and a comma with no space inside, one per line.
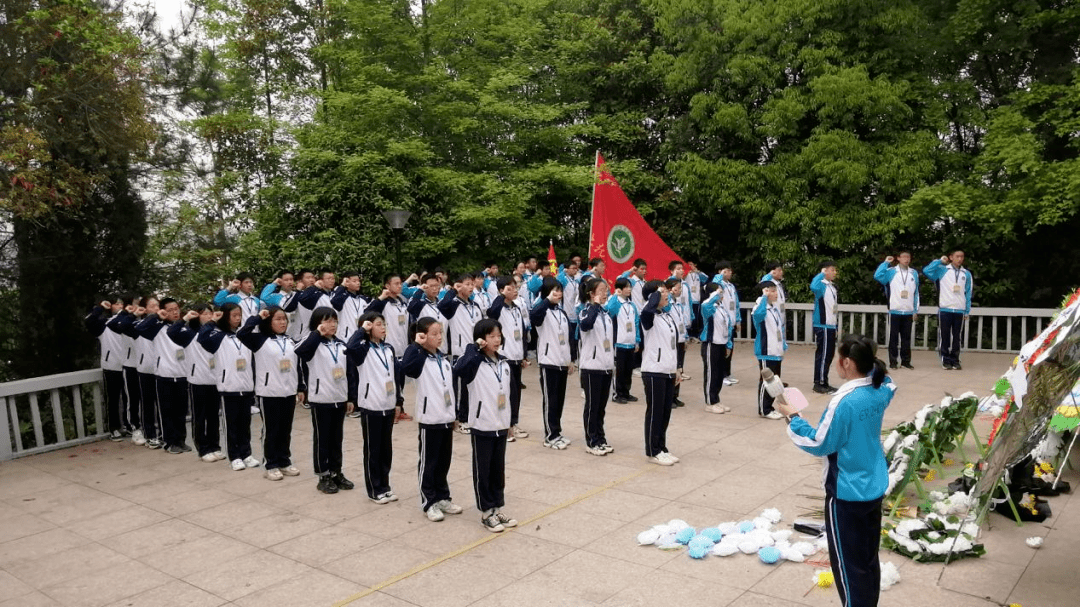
(309,589)
(247,574)
(172,594)
(592,577)
(324,545)
(107,586)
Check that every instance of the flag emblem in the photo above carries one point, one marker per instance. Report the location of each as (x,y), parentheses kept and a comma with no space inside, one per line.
(620,243)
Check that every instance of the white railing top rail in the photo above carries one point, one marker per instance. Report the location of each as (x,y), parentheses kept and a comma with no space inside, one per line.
(49,382)
(882,309)
(22,403)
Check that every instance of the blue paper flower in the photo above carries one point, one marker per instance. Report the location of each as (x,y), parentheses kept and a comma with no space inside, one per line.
(701,541)
(684,535)
(712,533)
(769,555)
(698,551)
(746,526)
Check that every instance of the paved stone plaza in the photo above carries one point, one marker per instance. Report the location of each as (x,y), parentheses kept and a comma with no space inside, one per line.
(112,524)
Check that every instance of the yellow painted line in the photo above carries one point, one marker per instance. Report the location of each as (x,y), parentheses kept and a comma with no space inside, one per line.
(484,540)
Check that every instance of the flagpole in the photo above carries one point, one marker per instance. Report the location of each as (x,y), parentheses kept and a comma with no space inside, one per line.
(592,205)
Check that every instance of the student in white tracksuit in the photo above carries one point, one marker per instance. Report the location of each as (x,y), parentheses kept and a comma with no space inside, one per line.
(277,386)
(659,370)
(203,398)
(553,355)
(435,415)
(235,382)
(487,378)
(597,359)
(372,368)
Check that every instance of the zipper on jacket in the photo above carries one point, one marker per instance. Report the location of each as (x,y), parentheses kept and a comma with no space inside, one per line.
(658,353)
(425,405)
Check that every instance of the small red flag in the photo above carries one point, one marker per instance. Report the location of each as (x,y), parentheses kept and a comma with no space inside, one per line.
(619,234)
(551,258)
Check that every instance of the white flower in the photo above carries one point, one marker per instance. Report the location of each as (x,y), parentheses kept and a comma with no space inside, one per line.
(762,523)
(792,555)
(1034,542)
(728,527)
(724,549)
(967,395)
(782,535)
(648,537)
(748,546)
(806,548)
(677,525)
(946,402)
(934,535)
(890,441)
(889,575)
(772,514)
(906,542)
(908,525)
(997,410)
(937,496)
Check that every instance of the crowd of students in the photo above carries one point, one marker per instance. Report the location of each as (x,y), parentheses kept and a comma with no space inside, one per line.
(329,348)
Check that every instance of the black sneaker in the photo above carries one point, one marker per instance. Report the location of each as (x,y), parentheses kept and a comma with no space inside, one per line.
(116,436)
(341,482)
(631,398)
(174,450)
(894,366)
(820,389)
(677,403)
(831,389)
(956,367)
(184,447)
(327,485)
(620,400)
(907,366)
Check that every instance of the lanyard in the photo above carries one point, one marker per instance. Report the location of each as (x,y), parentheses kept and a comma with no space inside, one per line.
(355,304)
(496,369)
(776,314)
(442,372)
(236,342)
(956,275)
(281,342)
(664,317)
(378,348)
(904,278)
(468,305)
(249,305)
(332,347)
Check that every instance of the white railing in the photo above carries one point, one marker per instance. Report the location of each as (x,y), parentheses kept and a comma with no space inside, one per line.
(65,394)
(985,329)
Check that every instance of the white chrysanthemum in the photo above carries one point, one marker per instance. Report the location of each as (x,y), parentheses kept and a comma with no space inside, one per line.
(889,575)
(906,542)
(728,527)
(762,523)
(890,441)
(792,555)
(967,395)
(806,548)
(996,410)
(933,535)
(748,546)
(1034,542)
(724,549)
(648,537)
(946,402)
(667,538)
(783,535)
(677,525)
(908,525)
(970,529)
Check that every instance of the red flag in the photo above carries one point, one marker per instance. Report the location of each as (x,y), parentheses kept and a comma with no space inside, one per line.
(551,258)
(619,234)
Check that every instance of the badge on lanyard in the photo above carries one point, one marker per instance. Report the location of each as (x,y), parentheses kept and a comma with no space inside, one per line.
(956,288)
(607,345)
(401,320)
(338,373)
(285,365)
(562,339)
(180,354)
(390,388)
(447,399)
(213,363)
(903,294)
(241,364)
(779,336)
(731,305)
(629,327)
(517,334)
(501,401)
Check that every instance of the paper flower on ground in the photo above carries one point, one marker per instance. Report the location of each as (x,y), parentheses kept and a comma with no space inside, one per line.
(748,546)
(1034,542)
(728,527)
(699,550)
(793,555)
(712,533)
(725,549)
(762,523)
(648,537)
(746,527)
(889,575)
(700,540)
(772,514)
(677,525)
(806,548)
(769,555)
(684,535)
(823,579)
(782,535)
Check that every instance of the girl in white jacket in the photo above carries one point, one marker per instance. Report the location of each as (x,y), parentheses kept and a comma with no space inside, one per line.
(435,414)
(487,380)
(235,382)
(372,386)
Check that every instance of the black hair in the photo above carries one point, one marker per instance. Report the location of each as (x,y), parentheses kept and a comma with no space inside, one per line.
(651,287)
(621,283)
(129,299)
(369,316)
(863,352)
(485,327)
(424,325)
(765,284)
(282,273)
(242,276)
(772,265)
(439,270)
(595,261)
(674,263)
(324,271)
(226,311)
(504,281)
(640,262)
(476,276)
(463,277)
(428,276)
(194,324)
(955,250)
(166,301)
(146,299)
(266,325)
(588,287)
(386,279)
(710,288)
(491,263)
(828,263)
(300,273)
(550,284)
(350,274)
(669,283)
(570,262)
(531,258)
(318,315)
(723,265)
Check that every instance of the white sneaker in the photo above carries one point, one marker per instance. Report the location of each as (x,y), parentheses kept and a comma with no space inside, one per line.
(595,450)
(671,457)
(555,444)
(251,462)
(254,410)
(385,498)
(505,520)
(774,415)
(209,457)
(137,438)
(462,428)
(714,409)
(290,471)
(238,465)
(517,432)
(685,377)
(565,441)
(637,373)
(218,455)
(491,522)
(434,514)
(730,381)
(449,507)
(274,474)
(662,459)
(607,448)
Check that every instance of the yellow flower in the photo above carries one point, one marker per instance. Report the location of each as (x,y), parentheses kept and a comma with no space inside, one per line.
(1046,467)
(823,579)
(948,462)
(931,475)
(1015,605)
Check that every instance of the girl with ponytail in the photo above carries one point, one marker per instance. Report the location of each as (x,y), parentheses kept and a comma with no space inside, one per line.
(848,439)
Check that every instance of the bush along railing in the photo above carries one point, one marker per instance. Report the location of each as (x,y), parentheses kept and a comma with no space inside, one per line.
(985,330)
(51,412)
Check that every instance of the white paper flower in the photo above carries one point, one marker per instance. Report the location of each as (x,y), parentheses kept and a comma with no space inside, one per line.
(889,575)
(728,527)
(748,546)
(677,525)
(1034,542)
(890,441)
(762,523)
(724,549)
(648,537)
(772,514)
(806,548)
(792,555)
(782,535)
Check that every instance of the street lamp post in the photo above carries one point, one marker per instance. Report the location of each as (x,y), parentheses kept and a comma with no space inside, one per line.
(397,219)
